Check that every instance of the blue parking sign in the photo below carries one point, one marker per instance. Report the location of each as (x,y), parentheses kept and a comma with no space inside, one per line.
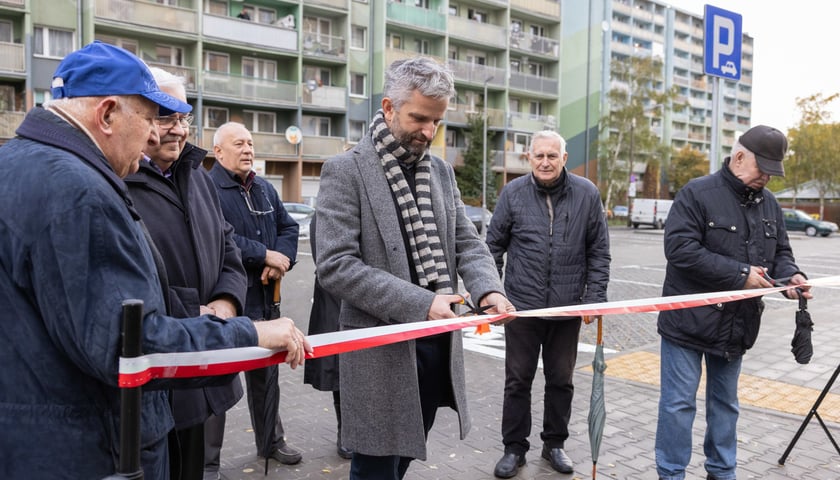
(722,43)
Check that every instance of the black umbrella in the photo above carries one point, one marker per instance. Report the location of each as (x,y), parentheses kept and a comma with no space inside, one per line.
(597,407)
(272,390)
(801,345)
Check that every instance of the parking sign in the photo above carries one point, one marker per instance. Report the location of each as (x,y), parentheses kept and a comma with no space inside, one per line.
(722,45)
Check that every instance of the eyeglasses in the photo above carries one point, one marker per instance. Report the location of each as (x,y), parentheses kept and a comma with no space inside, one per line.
(247,196)
(170,121)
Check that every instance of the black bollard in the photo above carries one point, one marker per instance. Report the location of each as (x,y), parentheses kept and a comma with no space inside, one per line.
(130,397)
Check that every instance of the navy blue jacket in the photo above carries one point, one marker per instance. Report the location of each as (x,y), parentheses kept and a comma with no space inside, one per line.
(254,234)
(551,261)
(185,221)
(71,251)
(716,229)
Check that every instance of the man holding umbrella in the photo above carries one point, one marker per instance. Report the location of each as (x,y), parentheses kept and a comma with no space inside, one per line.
(268,238)
(725,231)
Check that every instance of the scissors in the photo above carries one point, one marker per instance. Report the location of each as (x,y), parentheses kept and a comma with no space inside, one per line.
(473,310)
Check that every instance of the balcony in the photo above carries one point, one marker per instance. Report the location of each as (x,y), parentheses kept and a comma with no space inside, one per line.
(9,121)
(188,73)
(542,8)
(527,122)
(324,45)
(244,32)
(325,97)
(511,162)
(534,84)
(416,17)
(484,34)
(475,73)
(12,58)
(460,113)
(322,147)
(527,43)
(393,54)
(13,3)
(340,4)
(143,14)
(234,87)
(265,144)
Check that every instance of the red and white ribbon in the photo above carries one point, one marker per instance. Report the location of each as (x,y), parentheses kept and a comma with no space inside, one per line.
(139,370)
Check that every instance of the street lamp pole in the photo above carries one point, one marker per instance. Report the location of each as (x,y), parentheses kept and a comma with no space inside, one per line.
(630,174)
(484,163)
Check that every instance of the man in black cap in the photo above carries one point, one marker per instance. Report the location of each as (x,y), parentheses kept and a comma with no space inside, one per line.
(725,231)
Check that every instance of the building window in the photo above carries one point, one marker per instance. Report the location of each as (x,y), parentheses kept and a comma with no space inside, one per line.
(217,7)
(259,68)
(453,10)
(6,31)
(395,42)
(536,110)
(357,130)
(215,117)
(52,42)
(316,126)
(259,121)
(321,76)
(126,44)
(477,15)
(260,15)
(217,62)
(421,46)
(169,55)
(357,84)
(358,37)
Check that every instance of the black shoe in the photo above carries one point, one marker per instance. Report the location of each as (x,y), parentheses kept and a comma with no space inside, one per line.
(287,455)
(508,465)
(342,452)
(558,459)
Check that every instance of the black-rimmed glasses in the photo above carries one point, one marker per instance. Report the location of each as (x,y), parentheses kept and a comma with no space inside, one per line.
(247,196)
(169,121)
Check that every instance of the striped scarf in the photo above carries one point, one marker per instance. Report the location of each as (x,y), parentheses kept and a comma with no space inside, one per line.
(417,215)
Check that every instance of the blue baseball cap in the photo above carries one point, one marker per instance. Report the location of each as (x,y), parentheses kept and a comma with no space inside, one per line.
(101,69)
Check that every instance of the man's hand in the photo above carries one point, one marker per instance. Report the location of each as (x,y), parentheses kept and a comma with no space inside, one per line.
(222,308)
(277,260)
(282,334)
(500,305)
(798,279)
(442,307)
(757,279)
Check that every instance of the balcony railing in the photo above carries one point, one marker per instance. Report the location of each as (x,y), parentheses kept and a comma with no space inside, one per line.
(393,54)
(483,33)
(549,8)
(269,92)
(324,147)
(168,17)
(528,43)
(416,16)
(13,3)
(325,97)
(511,162)
(188,73)
(341,4)
(273,144)
(459,113)
(12,58)
(9,121)
(324,45)
(473,72)
(239,31)
(528,122)
(533,83)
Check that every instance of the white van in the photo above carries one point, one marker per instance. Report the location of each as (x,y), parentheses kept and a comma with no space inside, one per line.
(650,211)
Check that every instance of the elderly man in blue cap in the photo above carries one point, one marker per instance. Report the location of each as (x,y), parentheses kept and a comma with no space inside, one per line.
(72,249)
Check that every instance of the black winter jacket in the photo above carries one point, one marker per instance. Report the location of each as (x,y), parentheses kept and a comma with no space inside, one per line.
(185,221)
(555,257)
(716,229)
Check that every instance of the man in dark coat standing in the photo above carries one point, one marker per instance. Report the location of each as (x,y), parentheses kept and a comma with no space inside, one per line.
(180,207)
(724,232)
(550,227)
(268,239)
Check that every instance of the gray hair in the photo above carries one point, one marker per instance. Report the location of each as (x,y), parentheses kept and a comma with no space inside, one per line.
(217,137)
(424,74)
(166,79)
(550,135)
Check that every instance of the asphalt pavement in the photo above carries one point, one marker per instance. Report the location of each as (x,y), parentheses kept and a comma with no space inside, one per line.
(775,392)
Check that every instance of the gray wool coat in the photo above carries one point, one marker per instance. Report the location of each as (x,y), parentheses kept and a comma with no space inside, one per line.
(363,261)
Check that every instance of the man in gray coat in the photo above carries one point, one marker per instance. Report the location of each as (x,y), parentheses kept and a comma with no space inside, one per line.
(392,240)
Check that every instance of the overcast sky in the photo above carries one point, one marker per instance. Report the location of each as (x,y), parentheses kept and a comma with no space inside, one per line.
(795,53)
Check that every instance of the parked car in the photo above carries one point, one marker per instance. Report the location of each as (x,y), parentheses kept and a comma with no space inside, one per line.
(474,214)
(302,214)
(620,211)
(799,221)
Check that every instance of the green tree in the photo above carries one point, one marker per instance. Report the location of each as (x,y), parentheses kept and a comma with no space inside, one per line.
(627,137)
(469,175)
(814,148)
(686,164)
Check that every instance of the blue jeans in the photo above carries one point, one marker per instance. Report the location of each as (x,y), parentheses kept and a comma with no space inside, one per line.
(679,377)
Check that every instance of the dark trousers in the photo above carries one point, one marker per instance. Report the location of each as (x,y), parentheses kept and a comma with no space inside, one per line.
(435,390)
(523,339)
(263,389)
(214,435)
(186,453)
